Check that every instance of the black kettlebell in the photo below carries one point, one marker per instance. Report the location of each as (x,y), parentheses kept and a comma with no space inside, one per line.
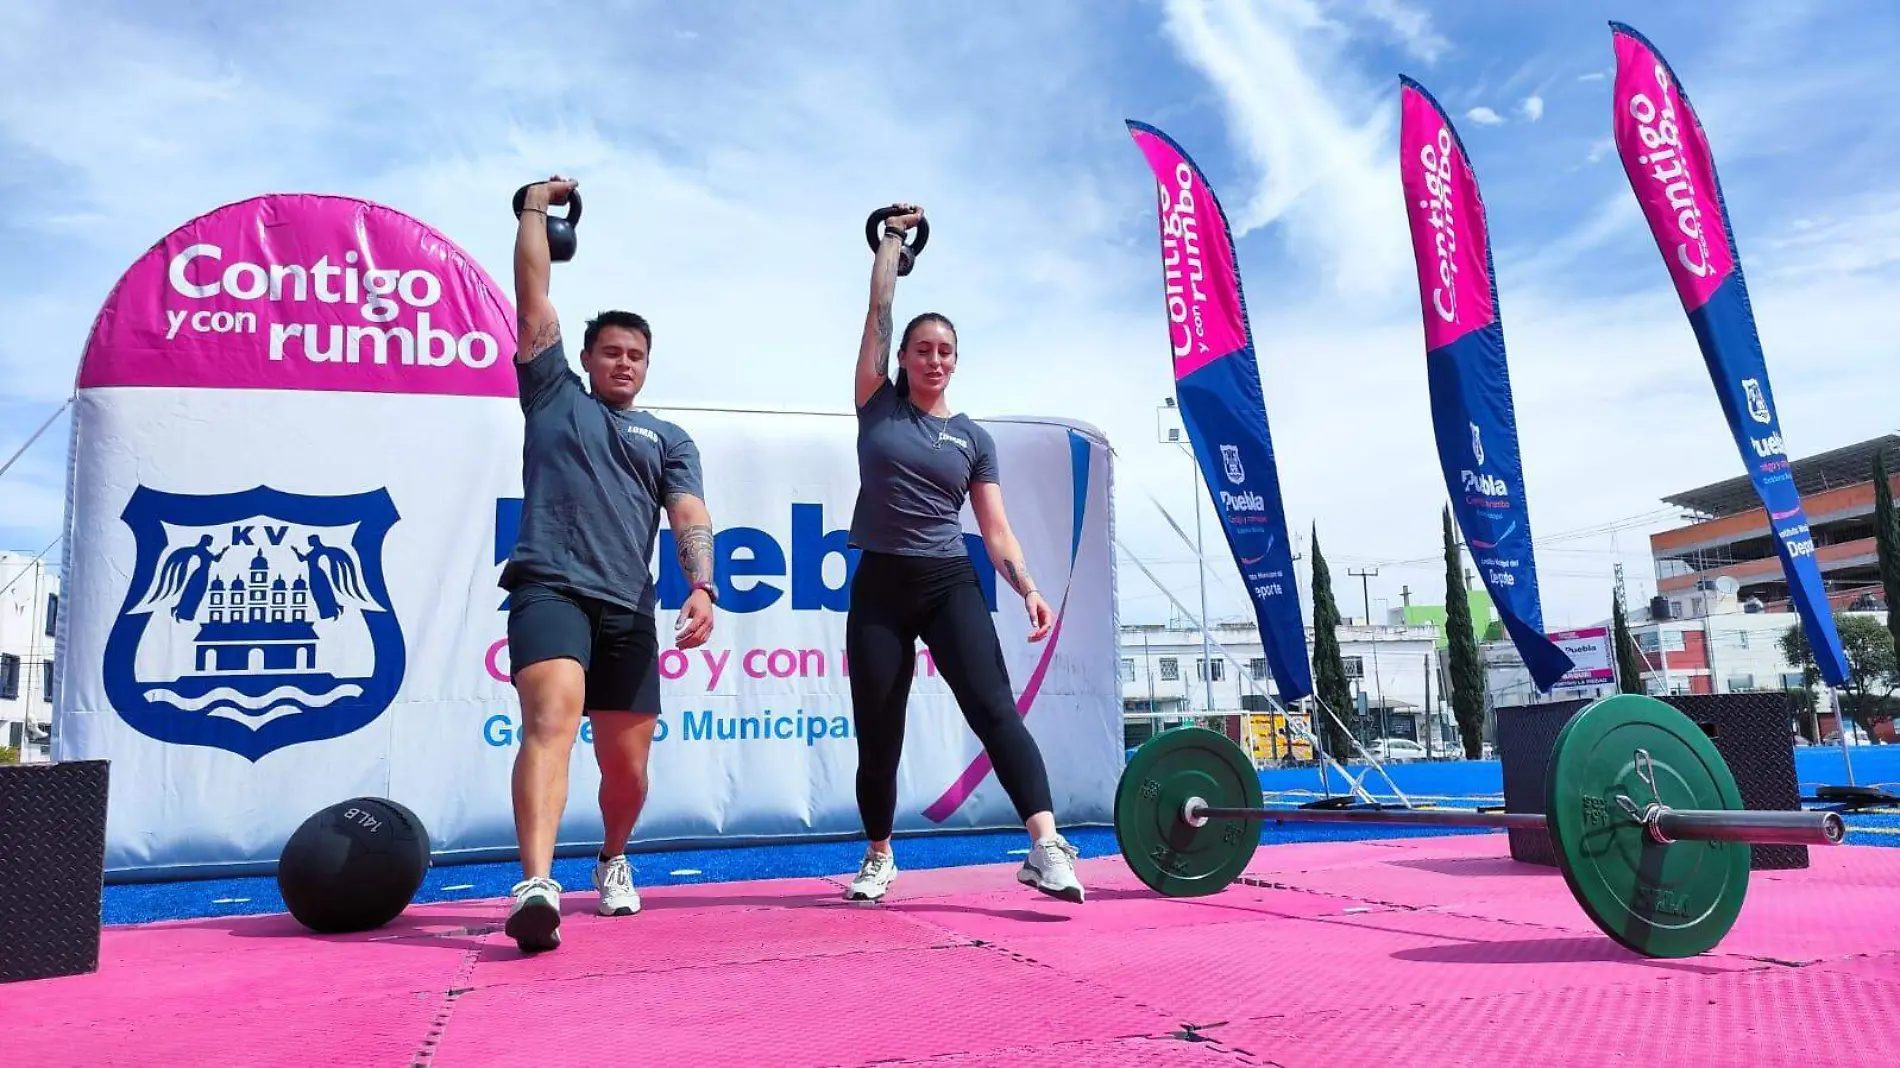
(561,236)
(907,253)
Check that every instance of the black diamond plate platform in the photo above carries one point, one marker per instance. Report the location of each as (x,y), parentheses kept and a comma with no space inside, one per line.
(52,868)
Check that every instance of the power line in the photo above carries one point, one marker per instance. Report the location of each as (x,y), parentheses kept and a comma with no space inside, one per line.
(28,565)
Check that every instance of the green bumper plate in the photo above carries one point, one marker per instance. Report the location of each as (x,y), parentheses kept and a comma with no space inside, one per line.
(1660,900)
(1162,849)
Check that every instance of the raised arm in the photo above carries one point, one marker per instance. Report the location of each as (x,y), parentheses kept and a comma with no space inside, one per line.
(986,500)
(874,352)
(536,326)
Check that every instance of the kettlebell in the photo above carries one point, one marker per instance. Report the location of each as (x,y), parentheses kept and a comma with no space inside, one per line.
(561,237)
(907,253)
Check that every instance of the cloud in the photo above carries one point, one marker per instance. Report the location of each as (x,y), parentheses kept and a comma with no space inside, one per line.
(1606,377)
(1594,76)
(1412,25)
(1319,133)
(1532,108)
(732,159)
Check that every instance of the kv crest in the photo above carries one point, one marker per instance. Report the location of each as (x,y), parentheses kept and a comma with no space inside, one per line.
(1757,401)
(1230,463)
(255,620)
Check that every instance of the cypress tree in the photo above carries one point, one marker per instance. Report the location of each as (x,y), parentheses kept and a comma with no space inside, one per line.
(1329,670)
(1629,669)
(1467,670)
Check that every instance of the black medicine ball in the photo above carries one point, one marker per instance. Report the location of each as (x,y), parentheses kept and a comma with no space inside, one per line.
(353,866)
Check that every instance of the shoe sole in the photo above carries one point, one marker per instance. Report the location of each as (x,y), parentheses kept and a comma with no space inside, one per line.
(535,929)
(853,895)
(1072,894)
(623,910)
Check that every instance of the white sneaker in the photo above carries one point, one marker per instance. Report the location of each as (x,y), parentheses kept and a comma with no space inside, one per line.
(535,921)
(1050,868)
(875,876)
(614,879)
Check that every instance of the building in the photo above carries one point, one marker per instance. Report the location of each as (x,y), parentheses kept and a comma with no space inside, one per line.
(1395,672)
(29,616)
(1727,550)
(260,626)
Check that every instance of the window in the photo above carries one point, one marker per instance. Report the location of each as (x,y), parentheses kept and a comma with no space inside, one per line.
(1255,702)
(1739,683)
(1170,669)
(1128,669)
(46,680)
(1791,680)
(1217,667)
(1671,640)
(1257,667)
(9,677)
(1355,666)
(52,614)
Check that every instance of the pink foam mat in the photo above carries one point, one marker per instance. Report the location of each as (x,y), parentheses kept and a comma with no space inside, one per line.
(1437,951)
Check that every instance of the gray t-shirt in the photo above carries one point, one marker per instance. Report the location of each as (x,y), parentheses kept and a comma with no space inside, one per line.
(914,473)
(593,479)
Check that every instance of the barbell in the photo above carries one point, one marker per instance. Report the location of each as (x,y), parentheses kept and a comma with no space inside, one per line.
(1647,823)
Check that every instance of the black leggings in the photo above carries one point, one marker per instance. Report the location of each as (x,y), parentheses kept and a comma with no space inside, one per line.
(896,600)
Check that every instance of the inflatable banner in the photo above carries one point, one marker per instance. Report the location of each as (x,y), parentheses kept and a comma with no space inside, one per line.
(1473,418)
(1671,170)
(295,474)
(1218,382)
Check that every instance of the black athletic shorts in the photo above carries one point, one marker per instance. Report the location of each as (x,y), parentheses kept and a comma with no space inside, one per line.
(618,648)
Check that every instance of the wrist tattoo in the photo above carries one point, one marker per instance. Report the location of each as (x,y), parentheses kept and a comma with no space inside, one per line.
(1018,577)
(695,553)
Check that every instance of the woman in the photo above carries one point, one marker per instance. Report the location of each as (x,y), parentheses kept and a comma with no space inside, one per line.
(917,464)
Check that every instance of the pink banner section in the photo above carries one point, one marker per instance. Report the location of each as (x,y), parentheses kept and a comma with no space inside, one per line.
(305,292)
(1449,241)
(1673,175)
(1206,320)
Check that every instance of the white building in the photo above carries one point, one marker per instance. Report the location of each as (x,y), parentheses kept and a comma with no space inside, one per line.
(1395,672)
(29,614)
(1732,647)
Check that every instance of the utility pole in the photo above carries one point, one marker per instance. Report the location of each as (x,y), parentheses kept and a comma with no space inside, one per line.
(1378,684)
(1365,589)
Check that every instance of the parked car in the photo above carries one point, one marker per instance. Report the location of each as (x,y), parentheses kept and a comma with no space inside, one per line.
(1397,750)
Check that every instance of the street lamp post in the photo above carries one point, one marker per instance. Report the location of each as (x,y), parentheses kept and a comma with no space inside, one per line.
(1169,434)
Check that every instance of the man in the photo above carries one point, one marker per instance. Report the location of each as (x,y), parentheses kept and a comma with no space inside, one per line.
(582,638)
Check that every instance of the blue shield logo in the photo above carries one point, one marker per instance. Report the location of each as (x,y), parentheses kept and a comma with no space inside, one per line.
(255,620)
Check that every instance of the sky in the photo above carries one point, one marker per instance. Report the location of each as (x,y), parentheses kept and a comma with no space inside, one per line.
(729,153)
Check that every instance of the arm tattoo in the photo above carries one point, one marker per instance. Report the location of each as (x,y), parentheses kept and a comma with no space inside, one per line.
(883,339)
(695,552)
(1018,576)
(543,339)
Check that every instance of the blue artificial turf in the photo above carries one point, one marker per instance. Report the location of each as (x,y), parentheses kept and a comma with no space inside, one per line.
(1466,784)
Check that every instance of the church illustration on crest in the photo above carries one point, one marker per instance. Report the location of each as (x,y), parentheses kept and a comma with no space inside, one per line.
(259,625)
